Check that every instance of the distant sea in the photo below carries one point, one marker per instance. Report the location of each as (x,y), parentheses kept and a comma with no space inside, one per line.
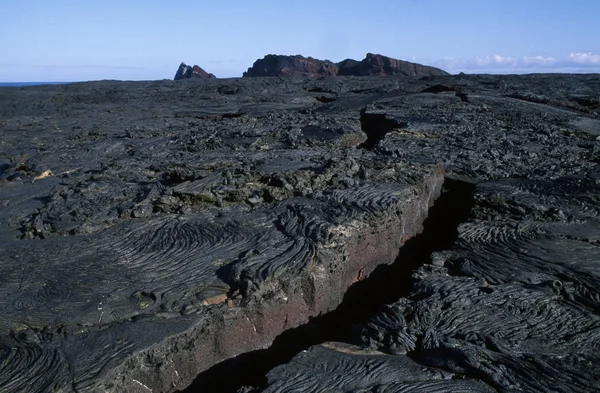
(31,83)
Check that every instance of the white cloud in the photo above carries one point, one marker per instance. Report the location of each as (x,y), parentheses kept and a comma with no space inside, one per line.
(574,63)
(539,60)
(504,60)
(585,58)
(492,60)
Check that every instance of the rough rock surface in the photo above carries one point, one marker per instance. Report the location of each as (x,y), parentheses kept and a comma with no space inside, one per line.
(192,72)
(372,64)
(281,65)
(512,302)
(151,229)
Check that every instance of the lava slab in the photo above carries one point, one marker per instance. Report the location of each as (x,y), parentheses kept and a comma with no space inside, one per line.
(513,302)
(150,230)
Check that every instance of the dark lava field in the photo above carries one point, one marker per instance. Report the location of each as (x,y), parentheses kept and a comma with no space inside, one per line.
(340,234)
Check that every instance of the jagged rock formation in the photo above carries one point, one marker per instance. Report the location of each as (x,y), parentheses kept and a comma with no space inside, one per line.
(279,65)
(191,72)
(372,64)
(300,66)
(165,228)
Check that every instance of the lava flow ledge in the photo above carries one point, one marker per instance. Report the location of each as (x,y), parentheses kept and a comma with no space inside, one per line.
(512,303)
(152,229)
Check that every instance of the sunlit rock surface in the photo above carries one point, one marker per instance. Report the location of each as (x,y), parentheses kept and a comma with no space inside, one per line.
(149,230)
(152,229)
(512,304)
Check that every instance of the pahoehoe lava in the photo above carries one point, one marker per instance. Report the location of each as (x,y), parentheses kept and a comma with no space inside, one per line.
(363,300)
(151,232)
(509,304)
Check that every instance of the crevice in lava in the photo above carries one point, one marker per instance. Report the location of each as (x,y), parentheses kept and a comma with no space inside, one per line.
(376,126)
(363,300)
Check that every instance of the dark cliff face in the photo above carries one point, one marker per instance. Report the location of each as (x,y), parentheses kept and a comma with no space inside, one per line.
(372,64)
(187,72)
(280,65)
(297,65)
(348,67)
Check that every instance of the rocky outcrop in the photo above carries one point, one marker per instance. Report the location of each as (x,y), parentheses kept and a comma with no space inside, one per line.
(192,72)
(280,65)
(372,64)
(300,66)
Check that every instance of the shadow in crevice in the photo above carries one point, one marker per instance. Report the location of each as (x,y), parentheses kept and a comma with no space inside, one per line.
(363,300)
(376,126)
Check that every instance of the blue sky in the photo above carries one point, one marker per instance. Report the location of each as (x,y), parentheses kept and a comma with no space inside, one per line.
(72,40)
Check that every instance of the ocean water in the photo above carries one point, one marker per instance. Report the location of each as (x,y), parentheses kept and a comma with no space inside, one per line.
(31,83)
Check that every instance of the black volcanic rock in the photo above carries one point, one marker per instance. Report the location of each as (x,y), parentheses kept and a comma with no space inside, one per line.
(280,65)
(192,72)
(348,67)
(371,65)
(152,236)
(374,64)
(149,231)
(503,293)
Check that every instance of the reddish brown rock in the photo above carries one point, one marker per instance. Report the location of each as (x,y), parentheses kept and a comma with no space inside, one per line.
(196,72)
(280,65)
(374,64)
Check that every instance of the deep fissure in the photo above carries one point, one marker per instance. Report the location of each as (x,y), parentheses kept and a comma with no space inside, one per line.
(363,300)
(376,126)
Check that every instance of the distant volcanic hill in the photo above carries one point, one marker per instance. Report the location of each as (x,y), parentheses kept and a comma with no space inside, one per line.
(281,65)
(298,65)
(372,64)
(192,72)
